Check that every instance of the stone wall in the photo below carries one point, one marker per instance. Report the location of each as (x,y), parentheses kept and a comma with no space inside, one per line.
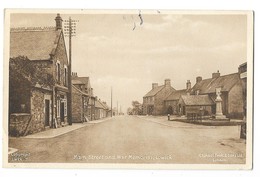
(173,104)
(61,56)
(76,106)
(159,100)
(18,123)
(235,102)
(37,111)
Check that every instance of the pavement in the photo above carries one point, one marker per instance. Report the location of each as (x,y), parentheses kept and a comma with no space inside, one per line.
(51,133)
(131,139)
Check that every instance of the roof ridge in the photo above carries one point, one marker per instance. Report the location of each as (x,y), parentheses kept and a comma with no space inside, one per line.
(23,29)
(221,76)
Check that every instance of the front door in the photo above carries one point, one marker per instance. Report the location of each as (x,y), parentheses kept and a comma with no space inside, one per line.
(183,110)
(62,112)
(47,113)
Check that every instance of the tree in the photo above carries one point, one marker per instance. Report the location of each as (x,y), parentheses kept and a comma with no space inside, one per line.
(137,108)
(129,111)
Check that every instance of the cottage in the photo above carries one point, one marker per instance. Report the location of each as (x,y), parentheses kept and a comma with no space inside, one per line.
(171,101)
(38,96)
(82,95)
(153,101)
(100,109)
(79,105)
(231,92)
(195,105)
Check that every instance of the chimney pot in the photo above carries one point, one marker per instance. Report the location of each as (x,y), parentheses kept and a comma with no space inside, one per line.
(216,75)
(167,82)
(198,79)
(58,20)
(188,85)
(154,85)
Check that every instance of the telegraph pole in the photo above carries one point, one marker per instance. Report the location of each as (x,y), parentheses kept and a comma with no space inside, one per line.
(117,107)
(69,31)
(111,104)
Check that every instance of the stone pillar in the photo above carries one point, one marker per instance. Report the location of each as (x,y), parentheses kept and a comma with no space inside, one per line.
(218,100)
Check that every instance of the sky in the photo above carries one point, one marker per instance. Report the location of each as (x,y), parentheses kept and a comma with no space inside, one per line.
(116,52)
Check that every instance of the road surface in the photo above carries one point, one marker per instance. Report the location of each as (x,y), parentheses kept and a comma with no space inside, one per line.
(129,139)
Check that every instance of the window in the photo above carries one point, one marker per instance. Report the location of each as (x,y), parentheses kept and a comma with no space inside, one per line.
(65,77)
(58,72)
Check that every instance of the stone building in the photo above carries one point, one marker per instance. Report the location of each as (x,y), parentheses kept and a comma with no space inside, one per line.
(101,111)
(171,101)
(87,103)
(231,90)
(242,70)
(195,105)
(153,101)
(38,97)
(79,105)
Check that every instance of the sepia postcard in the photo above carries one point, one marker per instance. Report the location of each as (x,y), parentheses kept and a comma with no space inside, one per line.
(138,89)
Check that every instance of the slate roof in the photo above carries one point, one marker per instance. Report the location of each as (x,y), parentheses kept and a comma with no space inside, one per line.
(197,100)
(105,105)
(34,43)
(77,82)
(175,95)
(226,82)
(154,91)
(84,80)
(98,104)
(78,90)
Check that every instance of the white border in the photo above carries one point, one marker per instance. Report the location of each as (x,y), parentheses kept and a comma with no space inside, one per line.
(129,4)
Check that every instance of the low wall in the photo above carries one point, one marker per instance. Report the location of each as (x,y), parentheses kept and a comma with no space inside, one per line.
(18,123)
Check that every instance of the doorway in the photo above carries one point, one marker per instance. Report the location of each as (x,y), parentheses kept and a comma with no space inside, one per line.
(62,112)
(183,110)
(47,113)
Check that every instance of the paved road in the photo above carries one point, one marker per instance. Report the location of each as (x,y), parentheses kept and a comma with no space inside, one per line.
(130,139)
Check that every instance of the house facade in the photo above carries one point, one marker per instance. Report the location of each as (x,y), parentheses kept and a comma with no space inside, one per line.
(153,101)
(195,105)
(171,102)
(43,88)
(101,109)
(82,84)
(79,105)
(231,88)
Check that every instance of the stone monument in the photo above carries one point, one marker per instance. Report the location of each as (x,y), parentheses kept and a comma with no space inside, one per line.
(218,100)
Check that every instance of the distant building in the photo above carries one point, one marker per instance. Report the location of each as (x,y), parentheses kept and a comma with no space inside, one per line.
(153,101)
(83,100)
(101,109)
(38,96)
(79,104)
(171,101)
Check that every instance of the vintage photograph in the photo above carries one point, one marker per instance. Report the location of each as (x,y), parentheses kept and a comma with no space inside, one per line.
(140,88)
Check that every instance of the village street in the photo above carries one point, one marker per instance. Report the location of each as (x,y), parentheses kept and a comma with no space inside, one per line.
(132,139)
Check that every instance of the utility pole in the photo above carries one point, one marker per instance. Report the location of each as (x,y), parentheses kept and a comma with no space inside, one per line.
(111,104)
(117,107)
(69,31)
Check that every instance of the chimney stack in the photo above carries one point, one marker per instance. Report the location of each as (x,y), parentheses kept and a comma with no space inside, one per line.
(154,85)
(188,85)
(167,82)
(216,75)
(198,79)
(58,20)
